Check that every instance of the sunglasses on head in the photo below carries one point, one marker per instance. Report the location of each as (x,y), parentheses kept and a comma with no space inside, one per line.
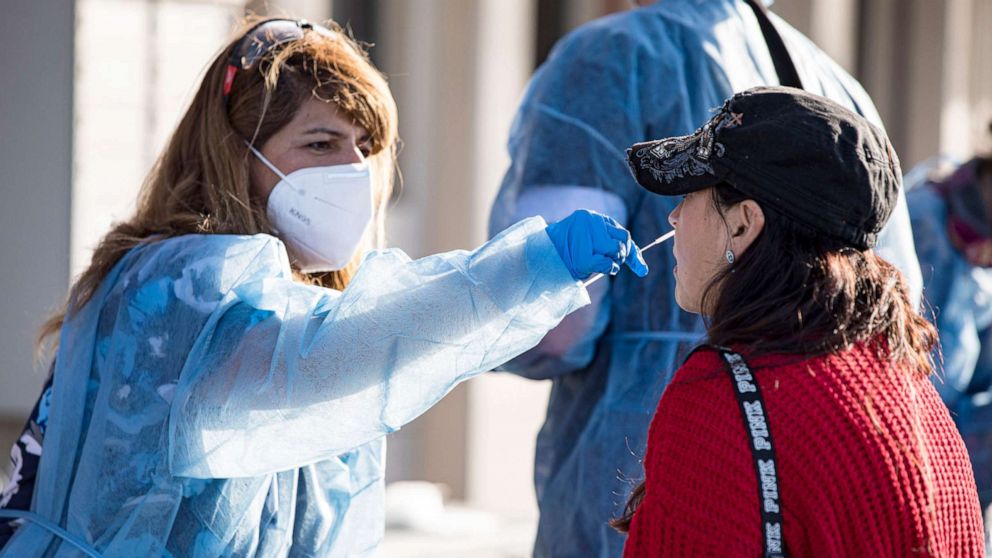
(260,40)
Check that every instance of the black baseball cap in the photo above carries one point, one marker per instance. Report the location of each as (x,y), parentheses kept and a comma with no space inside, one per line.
(803,155)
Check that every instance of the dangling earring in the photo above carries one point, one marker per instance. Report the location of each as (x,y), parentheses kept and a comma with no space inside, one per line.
(730,256)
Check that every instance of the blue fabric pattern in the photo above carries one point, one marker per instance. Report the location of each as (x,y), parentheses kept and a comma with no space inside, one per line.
(205,404)
(25,454)
(643,74)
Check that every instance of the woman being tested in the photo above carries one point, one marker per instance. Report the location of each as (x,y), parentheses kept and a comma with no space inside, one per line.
(806,426)
(220,391)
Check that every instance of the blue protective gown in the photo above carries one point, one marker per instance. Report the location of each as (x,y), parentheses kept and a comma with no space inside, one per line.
(643,74)
(205,404)
(960,296)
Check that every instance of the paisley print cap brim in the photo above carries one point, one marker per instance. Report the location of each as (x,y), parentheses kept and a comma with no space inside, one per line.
(682,164)
(800,154)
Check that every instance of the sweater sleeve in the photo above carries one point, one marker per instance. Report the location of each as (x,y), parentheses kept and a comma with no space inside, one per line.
(700,487)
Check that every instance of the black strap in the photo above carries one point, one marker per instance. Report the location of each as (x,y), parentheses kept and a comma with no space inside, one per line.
(762,450)
(784,67)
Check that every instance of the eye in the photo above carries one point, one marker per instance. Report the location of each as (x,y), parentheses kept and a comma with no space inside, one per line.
(319,145)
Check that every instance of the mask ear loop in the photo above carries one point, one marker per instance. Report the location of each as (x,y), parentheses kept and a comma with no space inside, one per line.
(269,164)
(282,176)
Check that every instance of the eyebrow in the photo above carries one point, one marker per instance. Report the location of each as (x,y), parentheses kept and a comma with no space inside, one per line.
(328,131)
(334,133)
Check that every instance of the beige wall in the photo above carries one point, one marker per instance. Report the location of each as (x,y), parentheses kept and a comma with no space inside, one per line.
(926,64)
(129,99)
(313,10)
(832,24)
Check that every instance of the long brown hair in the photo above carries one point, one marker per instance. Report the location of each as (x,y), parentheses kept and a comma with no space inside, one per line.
(794,291)
(200,183)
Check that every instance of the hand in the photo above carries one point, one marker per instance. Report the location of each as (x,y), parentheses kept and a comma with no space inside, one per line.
(589,242)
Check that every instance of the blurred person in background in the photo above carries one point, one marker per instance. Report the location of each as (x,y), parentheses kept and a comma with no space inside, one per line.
(227,367)
(952,224)
(806,425)
(654,71)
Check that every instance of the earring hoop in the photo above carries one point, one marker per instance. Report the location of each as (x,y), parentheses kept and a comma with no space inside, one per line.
(730,256)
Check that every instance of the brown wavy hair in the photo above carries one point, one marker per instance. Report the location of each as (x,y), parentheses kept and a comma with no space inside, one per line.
(200,182)
(794,291)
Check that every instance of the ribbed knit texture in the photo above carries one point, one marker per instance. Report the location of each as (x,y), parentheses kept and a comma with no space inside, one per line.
(869,463)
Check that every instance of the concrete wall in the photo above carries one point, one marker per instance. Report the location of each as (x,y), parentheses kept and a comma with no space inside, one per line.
(130,99)
(313,10)
(832,24)
(927,65)
(36,117)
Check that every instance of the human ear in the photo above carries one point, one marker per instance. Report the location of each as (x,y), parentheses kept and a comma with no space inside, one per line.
(746,221)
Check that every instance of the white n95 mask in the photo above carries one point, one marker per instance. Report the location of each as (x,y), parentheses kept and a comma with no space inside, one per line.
(321,213)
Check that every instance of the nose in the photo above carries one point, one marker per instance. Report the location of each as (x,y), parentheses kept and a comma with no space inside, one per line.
(673,217)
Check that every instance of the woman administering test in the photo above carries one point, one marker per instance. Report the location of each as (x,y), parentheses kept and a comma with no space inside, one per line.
(807,425)
(226,370)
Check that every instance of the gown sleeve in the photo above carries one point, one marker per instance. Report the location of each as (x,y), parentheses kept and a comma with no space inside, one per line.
(286,374)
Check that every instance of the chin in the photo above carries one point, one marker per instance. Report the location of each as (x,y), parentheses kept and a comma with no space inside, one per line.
(680,300)
(689,309)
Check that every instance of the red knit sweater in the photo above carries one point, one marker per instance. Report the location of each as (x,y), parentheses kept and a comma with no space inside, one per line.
(869,464)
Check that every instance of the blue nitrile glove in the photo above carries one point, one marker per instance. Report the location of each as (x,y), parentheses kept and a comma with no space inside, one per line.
(589,242)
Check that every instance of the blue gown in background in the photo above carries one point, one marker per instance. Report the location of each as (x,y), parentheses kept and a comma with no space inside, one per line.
(959,295)
(643,74)
(205,404)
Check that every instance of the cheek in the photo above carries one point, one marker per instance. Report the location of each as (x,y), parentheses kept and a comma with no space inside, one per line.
(701,252)
(713,237)
(263,181)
